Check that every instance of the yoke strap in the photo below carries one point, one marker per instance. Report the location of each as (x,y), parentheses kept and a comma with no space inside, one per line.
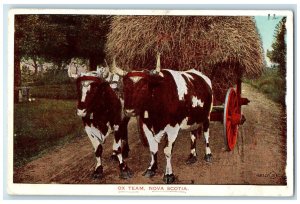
(137,74)
(90,78)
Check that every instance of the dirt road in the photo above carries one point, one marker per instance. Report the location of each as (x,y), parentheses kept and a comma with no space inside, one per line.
(258,158)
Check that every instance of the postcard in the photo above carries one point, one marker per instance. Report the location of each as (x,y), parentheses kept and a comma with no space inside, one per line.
(150,102)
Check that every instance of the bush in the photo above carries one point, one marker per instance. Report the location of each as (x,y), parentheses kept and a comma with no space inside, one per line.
(272,84)
(59,91)
(52,77)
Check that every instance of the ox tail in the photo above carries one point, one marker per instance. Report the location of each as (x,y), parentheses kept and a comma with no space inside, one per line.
(142,135)
(211,106)
(212,103)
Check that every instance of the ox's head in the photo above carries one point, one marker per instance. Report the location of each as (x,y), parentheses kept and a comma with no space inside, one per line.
(88,86)
(138,88)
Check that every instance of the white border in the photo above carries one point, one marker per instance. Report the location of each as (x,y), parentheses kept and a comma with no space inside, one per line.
(193,190)
(113,190)
(151,12)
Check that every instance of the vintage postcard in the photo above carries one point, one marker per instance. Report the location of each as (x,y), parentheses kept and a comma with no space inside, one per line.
(150,102)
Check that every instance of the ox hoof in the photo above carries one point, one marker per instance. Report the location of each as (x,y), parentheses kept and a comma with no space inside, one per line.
(169,178)
(98,173)
(114,157)
(208,157)
(149,173)
(126,173)
(191,160)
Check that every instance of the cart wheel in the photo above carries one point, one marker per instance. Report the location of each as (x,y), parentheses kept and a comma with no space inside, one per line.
(141,132)
(232,118)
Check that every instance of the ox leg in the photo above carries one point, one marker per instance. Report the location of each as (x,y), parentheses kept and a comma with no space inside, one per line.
(153,145)
(114,156)
(98,172)
(172,133)
(124,136)
(125,171)
(208,155)
(122,132)
(193,155)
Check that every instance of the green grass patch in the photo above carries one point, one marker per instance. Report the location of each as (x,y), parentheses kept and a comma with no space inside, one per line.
(41,125)
(59,91)
(271,84)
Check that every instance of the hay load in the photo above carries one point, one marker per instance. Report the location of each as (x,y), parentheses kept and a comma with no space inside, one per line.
(224,48)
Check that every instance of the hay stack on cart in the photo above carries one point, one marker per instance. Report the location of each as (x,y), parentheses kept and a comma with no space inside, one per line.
(225,48)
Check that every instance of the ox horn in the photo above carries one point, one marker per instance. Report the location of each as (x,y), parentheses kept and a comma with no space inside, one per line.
(157,69)
(106,65)
(117,70)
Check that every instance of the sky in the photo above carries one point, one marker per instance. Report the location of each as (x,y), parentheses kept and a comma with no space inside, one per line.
(266,27)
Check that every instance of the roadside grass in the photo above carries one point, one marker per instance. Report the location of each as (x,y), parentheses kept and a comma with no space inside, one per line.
(41,125)
(271,84)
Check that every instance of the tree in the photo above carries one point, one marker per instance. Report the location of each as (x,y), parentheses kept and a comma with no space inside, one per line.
(92,37)
(59,38)
(278,56)
(278,52)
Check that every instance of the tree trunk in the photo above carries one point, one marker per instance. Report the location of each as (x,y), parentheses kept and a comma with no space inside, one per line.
(17,74)
(42,69)
(35,65)
(93,63)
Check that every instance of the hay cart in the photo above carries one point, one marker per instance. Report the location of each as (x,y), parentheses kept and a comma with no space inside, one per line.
(230,114)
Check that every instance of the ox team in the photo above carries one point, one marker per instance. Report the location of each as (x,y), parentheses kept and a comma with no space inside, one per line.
(167,101)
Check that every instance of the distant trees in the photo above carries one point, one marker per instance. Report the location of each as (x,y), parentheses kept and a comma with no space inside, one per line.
(278,52)
(278,55)
(59,38)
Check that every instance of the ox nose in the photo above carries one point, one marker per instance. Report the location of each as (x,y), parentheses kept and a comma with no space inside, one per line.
(129,112)
(81,112)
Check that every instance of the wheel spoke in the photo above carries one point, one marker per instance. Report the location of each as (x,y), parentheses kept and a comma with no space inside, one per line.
(230,116)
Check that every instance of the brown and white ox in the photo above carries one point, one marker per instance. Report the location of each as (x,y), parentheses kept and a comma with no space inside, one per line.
(167,101)
(101,111)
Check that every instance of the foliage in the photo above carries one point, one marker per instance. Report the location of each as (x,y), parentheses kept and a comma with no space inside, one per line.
(278,55)
(53,76)
(58,38)
(54,91)
(278,52)
(272,84)
(41,125)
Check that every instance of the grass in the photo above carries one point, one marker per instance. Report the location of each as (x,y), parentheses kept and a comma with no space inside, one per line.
(41,125)
(271,84)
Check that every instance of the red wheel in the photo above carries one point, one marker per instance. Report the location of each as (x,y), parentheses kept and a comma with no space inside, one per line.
(232,118)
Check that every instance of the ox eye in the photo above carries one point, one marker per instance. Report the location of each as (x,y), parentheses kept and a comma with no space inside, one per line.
(135,79)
